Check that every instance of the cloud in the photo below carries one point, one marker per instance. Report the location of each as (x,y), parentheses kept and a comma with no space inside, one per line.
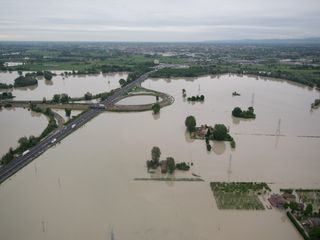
(165,20)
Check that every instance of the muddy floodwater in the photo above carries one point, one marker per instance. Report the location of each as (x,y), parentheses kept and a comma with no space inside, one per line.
(137,100)
(16,123)
(83,188)
(74,86)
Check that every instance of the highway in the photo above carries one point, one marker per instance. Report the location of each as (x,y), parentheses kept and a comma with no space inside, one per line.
(57,135)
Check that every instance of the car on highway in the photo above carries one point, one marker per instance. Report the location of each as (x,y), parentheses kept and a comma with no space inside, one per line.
(25,152)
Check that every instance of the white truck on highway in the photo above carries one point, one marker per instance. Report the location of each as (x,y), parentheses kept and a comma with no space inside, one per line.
(54,140)
(25,152)
(73,125)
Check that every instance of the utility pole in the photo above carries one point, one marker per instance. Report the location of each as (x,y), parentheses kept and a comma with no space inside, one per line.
(278,131)
(252,99)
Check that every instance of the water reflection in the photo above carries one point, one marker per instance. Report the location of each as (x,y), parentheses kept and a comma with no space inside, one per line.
(48,82)
(219,147)
(236,120)
(28,88)
(156,116)
(188,138)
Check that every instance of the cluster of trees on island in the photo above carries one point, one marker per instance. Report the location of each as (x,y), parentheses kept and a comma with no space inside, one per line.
(29,79)
(238,112)
(217,133)
(196,98)
(6,95)
(169,163)
(24,81)
(26,143)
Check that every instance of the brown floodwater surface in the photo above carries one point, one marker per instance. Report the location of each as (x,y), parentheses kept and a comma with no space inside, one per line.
(74,86)
(16,123)
(83,188)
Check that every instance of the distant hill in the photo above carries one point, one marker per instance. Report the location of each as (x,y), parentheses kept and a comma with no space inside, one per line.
(270,41)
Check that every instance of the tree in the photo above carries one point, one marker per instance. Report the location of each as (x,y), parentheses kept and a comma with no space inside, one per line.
(122,82)
(220,132)
(47,75)
(68,112)
(294,206)
(23,142)
(8,157)
(190,123)
(88,96)
(44,100)
(64,98)
(309,209)
(156,108)
(171,164)
(184,94)
(315,233)
(56,98)
(155,154)
(236,112)
(23,81)
(20,73)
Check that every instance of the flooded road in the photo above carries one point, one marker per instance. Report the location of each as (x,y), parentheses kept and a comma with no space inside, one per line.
(83,188)
(74,86)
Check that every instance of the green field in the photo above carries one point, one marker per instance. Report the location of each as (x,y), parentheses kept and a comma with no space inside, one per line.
(239,195)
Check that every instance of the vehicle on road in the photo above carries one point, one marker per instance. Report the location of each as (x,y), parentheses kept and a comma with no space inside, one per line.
(25,152)
(54,140)
(73,125)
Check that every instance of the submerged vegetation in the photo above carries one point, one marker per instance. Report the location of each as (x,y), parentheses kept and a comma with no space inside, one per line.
(217,133)
(196,98)
(304,213)
(238,112)
(155,108)
(6,95)
(190,123)
(239,195)
(316,103)
(168,165)
(24,81)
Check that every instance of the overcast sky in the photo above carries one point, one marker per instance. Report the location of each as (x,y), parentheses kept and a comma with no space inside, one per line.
(161,20)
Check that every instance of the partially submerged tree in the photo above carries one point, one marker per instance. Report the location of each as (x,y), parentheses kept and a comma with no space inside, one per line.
(171,164)
(122,82)
(155,154)
(190,123)
(156,108)
(68,112)
(220,132)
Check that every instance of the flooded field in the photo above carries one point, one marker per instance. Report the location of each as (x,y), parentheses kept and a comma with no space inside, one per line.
(84,189)
(74,86)
(16,123)
(137,100)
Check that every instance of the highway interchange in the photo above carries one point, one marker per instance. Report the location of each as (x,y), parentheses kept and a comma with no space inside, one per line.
(57,135)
